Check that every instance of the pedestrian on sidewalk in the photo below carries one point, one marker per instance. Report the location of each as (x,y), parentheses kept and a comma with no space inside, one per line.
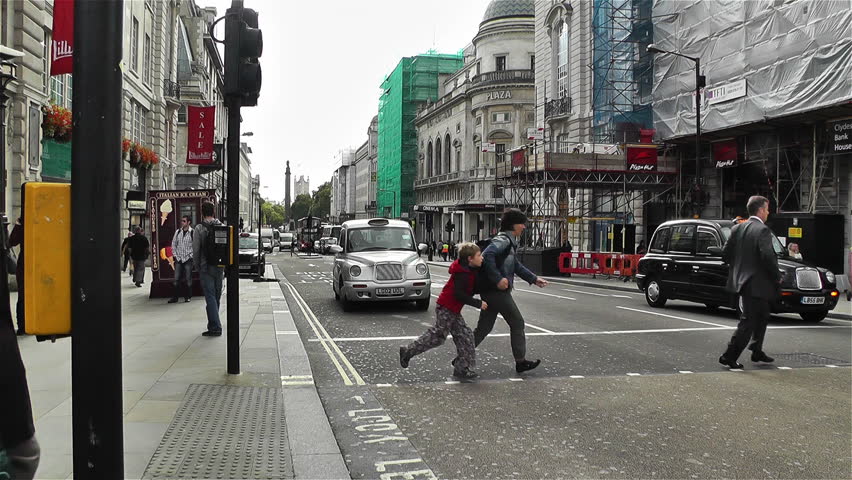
(182,250)
(125,252)
(499,269)
(445,250)
(17,430)
(16,238)
(139,247)
(457,292)
(211,274)
(755,278)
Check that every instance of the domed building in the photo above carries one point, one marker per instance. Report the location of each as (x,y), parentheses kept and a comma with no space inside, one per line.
(483,112)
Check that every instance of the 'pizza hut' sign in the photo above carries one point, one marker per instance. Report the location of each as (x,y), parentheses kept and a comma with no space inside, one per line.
(642,158)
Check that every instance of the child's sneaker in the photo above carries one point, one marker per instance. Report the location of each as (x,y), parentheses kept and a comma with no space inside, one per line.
(465,374)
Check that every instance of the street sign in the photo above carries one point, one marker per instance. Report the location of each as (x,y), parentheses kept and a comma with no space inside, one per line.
(535,133)
(489,147)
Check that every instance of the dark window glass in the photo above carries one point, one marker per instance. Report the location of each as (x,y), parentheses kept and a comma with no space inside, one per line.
(661,239)
(682,237)
(706,239)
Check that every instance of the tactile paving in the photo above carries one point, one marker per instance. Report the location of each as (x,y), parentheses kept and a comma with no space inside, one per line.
(225,432)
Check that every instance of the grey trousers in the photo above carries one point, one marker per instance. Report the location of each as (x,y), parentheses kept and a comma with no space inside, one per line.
(501,302)
(138,271)
(446,323)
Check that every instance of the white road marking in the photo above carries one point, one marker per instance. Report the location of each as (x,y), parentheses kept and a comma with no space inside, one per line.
(289,332)
(359,399)
(281,311)
(785,368)
(576,376)
(831,366)
(685,371)
(383,384)
(516,379)
(633,374)
(621,296)
(452,382)
(675,317)
(586,293)
(539,328)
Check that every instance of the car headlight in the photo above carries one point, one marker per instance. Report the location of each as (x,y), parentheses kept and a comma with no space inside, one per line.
(829,275)
(354,270)
(421,268)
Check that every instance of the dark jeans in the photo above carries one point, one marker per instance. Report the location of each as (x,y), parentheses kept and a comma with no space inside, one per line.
(211,284)
(16,420)
(138,271)
(756,312)
(502,302)
(183,271)
(19,306)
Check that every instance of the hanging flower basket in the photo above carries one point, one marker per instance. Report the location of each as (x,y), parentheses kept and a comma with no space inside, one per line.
(125,148)
(135,156)
(56,123)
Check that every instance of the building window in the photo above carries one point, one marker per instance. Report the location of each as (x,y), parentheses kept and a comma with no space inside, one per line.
(141,126)
(479,120)
(499,151)
(448,164)
(501,117)
(532,62)
(146,75)
(501,63)
(477,154)
(134,46)
(562,60)
(45,58)
(57,90)
(182,114)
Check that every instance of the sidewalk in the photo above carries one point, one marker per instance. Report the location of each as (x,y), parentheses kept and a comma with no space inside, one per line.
(843,311)
(268,421)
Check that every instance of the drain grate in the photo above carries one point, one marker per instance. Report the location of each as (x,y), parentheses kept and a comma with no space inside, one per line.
(809,359)
(227,432)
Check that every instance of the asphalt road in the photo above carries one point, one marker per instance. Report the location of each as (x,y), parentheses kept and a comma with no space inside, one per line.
(623,391)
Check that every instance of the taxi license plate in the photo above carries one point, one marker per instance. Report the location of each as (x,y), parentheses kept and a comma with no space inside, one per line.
(246,267)
(389,292)
(813,300)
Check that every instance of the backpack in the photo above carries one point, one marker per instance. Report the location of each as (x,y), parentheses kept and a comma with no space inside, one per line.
(209,245)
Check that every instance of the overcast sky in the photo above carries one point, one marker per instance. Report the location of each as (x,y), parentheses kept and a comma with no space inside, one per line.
(323,64)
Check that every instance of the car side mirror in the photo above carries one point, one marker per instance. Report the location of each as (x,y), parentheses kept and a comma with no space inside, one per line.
(335,249)
(422,247)
(715,251)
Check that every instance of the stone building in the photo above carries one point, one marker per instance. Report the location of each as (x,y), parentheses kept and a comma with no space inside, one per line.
(343,187)
(365,173)
(490,100)
(301,186)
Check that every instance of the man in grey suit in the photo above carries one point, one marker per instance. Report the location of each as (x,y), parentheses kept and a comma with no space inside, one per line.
(755,278)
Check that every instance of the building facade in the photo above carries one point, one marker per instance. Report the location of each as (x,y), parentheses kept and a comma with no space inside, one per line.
(489,101)
(365,173)
(247,192)
(302,186)
(343,187)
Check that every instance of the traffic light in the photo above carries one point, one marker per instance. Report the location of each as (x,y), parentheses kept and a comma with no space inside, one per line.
(243,46)
(449,227)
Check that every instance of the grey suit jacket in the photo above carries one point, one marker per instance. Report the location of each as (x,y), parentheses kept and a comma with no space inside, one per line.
(752,261)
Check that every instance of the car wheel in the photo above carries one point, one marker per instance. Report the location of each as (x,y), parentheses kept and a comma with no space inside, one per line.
(422,305)
(814,317)
(654,294)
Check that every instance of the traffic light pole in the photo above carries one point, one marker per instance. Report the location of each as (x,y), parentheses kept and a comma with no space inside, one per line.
(233,217)
(96,391)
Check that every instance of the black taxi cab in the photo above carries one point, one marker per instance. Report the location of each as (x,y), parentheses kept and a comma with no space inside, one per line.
(684,262)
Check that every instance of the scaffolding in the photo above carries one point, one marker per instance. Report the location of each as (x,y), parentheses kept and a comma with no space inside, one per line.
(413,82)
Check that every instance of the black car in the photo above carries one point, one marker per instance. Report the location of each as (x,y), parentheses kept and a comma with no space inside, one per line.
(251,263)
(684,262)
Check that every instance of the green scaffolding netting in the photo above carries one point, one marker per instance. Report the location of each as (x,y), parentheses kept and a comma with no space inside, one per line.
(412,82)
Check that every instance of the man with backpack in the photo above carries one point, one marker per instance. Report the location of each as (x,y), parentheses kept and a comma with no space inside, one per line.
(211,275)
(495,284)
(182,249)
(139,250)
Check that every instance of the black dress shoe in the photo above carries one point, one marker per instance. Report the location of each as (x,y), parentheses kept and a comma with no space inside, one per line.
(525,365)
(729,363)
(761,357)
(186,300)
(217,333)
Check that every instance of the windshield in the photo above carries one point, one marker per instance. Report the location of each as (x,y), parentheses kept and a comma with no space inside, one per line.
(248,242)
(380,238)
(778,247)
(287,237)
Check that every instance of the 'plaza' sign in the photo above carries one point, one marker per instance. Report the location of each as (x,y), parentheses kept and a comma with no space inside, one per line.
(499,95)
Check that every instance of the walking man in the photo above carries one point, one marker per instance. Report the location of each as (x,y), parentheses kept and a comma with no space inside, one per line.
(139,247)
(500,267)
(211,275)
(182,249)
(16,238)
(755,278)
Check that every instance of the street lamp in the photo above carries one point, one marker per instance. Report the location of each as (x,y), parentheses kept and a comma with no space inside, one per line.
(8,71)
(700,82)
(393,208)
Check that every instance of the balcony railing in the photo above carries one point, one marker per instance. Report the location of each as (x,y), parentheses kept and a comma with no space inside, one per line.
(504,76)
(557,107)
(447,177)
(171,89)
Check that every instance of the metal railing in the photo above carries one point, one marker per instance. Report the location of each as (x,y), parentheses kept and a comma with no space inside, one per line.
(171,89)
(504,76)
(557,107)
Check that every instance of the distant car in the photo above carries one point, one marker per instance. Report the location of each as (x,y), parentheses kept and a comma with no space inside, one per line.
(378,261)
(684,262)
(270,239)
(286,241)
(251,263)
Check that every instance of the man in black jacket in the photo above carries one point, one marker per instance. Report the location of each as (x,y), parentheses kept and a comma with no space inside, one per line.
(755,278)
(139,247)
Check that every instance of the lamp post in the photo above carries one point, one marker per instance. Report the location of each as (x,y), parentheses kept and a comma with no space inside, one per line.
(8,71)
(393,208)
(700,82)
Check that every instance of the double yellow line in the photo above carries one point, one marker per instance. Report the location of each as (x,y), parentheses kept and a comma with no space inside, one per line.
(337,357)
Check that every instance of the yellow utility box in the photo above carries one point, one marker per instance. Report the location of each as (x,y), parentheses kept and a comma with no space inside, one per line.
(47,258)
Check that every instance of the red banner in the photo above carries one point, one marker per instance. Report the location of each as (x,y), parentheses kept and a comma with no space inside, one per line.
(201,123)
(642,158)
(725,153)
(62,48)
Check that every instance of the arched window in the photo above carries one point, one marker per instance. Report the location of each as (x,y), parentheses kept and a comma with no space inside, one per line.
(429,171)
(438,156)
(562,60)
(448,148)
